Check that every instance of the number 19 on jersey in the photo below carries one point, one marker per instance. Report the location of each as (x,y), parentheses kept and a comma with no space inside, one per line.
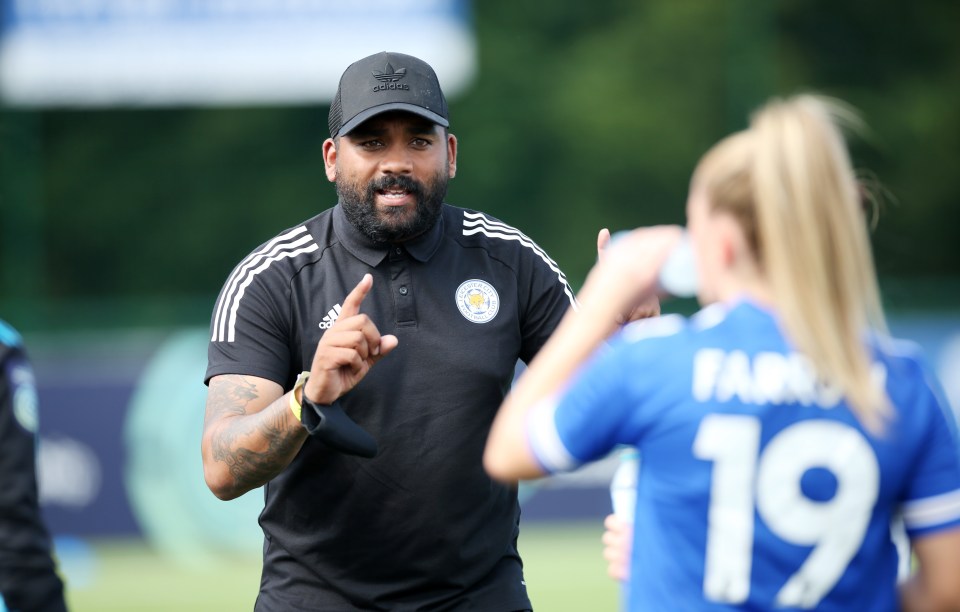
(744,479)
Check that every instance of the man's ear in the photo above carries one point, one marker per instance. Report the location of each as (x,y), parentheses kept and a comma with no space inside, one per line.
(451,155)
(330,159)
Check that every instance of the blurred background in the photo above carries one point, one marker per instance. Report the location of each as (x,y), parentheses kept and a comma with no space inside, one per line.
(146,147)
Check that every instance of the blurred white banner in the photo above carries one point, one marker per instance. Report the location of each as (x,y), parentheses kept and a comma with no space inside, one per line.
(217,52)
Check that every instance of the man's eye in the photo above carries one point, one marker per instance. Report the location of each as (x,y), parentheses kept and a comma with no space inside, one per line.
(371,144)
(421,142)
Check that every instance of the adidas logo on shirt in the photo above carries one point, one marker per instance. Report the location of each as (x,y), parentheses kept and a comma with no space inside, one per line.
(330,317)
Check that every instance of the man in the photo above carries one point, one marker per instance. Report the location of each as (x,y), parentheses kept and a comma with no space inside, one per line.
(375,496)
(28,578)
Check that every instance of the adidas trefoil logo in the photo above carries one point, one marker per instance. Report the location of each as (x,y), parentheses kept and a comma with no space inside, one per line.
(330,317)
(389,74)
(389,77)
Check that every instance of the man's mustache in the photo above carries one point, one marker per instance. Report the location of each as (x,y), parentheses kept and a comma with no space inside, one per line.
(395,182)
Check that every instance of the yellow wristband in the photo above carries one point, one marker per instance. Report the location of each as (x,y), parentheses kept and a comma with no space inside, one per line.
(294,404)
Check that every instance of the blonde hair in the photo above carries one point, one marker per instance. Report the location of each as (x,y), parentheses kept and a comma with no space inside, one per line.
(789,183)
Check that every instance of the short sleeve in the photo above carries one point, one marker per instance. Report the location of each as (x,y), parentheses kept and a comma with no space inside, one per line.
(250,326)
(605,405)
(932,500)
(546,297)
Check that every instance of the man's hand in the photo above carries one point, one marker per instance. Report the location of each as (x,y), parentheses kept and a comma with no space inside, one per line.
(645,309)
(347,350)
(617,542)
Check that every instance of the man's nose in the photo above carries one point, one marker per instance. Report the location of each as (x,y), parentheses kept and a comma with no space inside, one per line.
(397,161)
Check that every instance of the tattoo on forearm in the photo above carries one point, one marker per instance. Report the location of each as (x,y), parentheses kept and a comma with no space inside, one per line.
(249,468)
(232,396)
(252,468)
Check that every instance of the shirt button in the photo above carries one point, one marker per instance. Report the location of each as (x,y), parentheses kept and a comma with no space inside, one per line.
(398,250)
(403,291)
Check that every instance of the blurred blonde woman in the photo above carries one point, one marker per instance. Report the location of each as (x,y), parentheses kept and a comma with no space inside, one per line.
(781,429)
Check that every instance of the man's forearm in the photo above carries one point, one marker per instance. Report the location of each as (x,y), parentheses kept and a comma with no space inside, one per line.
(245,444)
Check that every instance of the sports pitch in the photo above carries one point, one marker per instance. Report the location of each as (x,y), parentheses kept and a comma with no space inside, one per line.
(563,567)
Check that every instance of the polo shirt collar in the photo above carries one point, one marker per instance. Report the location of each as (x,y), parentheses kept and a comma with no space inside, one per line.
(372,253)
(426,244)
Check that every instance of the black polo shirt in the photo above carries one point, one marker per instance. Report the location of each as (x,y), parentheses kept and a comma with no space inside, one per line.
(421,525)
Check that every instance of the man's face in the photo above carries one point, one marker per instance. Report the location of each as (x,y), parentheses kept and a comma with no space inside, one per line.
(391,174)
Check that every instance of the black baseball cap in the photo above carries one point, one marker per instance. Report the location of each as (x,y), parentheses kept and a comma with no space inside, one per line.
(385,82)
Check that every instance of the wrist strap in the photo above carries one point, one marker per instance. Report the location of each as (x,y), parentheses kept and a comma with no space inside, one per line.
(295,406)
(330,425)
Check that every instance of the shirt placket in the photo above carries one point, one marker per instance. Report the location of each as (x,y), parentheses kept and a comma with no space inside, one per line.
(402,287)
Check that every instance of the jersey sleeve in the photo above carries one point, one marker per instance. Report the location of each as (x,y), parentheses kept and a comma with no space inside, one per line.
(932,500)
(605,405)
(250,325)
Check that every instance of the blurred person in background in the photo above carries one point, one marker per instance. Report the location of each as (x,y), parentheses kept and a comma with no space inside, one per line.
(781,429)
(28,577)
(368,443)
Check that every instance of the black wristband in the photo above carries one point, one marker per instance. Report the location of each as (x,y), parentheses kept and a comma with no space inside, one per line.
(331,425)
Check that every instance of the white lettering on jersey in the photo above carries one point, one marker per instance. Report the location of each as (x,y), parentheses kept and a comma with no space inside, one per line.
(764,378)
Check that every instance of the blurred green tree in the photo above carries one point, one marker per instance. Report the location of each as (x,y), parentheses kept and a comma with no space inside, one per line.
(583,115)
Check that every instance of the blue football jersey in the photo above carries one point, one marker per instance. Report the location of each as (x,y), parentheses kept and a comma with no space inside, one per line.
(759,487)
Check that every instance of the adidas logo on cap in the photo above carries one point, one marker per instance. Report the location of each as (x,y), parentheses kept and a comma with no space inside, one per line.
(389,77)
(331,317)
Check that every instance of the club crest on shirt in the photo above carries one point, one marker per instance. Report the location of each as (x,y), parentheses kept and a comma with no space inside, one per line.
(477,300)
(24,396)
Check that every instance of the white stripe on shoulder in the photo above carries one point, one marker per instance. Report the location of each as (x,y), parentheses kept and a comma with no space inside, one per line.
(241,269)
(478,223)
(932,511)
(544,440)
(709,316)
(654,327)
(297,241)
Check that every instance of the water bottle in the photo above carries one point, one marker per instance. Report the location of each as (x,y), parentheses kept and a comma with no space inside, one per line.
(623,486)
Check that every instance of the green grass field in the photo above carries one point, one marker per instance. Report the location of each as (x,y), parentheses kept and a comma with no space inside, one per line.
(564,570)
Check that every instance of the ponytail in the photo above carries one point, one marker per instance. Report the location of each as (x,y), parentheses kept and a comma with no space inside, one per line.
(813,245)
(788,183)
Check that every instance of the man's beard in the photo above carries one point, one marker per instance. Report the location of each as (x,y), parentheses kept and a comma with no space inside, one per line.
(393,225)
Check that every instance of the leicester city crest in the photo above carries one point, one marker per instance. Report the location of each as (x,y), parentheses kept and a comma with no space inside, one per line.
(477,300)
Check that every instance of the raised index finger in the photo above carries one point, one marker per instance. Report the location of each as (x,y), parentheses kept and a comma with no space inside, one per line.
(351,304)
